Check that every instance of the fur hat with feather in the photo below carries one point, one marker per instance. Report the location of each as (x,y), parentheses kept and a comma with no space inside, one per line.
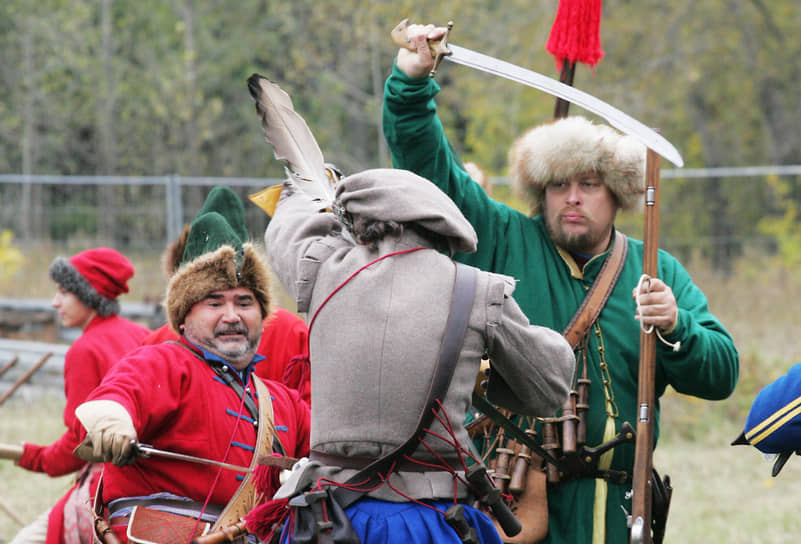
(563,148)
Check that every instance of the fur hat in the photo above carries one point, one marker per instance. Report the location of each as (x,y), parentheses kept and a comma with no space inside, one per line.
(96,276)
(563,148)
(216,258)
(386,194)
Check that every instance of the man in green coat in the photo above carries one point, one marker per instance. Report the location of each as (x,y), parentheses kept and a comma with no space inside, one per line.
(576,175)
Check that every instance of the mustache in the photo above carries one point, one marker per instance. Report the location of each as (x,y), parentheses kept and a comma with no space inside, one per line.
(565,211)
(231,330)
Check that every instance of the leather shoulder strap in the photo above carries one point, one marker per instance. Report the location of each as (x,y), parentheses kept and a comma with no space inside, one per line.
(596,297)
(246,496)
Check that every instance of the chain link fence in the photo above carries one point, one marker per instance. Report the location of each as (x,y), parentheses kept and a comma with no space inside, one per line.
(126,212)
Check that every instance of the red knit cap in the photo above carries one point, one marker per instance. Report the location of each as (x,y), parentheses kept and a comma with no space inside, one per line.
(106,269)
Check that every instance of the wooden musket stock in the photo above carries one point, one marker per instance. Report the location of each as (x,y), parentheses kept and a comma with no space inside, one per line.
(644,448)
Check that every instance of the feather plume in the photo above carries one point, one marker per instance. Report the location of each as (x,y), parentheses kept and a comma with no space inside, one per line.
(292,140)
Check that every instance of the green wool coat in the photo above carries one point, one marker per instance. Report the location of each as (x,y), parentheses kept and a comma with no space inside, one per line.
(550,290)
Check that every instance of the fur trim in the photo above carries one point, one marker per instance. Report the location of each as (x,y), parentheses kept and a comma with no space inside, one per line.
(68,277)
(216,271)
(566,147)
(174,253)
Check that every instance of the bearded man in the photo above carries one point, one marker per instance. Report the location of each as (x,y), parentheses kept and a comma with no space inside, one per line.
(576,175)
(198,396)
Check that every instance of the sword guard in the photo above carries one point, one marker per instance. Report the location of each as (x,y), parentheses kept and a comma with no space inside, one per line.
(439,47)
(141,449)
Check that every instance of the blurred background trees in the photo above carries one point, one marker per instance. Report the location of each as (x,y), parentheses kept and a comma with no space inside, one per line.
(115,87)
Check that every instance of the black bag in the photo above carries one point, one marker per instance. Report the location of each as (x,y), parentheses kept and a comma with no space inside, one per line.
(320,519)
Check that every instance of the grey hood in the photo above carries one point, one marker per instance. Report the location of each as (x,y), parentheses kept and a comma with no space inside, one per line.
(385,194)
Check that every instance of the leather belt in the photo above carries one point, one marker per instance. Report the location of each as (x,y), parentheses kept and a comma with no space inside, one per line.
(358,463)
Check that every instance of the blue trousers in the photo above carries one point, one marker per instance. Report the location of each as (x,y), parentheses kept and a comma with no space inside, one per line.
(383,522)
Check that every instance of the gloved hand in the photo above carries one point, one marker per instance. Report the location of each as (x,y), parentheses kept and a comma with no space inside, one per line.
(110,433)
(11,451)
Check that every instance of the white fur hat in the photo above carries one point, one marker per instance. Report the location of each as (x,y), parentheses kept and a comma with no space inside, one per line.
(563,148)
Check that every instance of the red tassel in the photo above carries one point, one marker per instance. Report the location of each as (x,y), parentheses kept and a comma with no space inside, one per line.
(267,518)
(265,479)
(297,371)
(576,33)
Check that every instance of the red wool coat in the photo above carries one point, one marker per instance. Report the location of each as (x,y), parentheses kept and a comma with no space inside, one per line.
(179,404)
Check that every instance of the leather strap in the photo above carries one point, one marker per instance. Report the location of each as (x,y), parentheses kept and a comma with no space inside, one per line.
(246,497)
(463,294)
(596,297)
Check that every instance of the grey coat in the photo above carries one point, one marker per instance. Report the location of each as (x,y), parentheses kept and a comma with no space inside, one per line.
(375,343)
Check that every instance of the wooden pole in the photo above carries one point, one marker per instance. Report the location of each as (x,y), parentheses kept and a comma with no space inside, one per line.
(25,377)
(646,406)
(8,365)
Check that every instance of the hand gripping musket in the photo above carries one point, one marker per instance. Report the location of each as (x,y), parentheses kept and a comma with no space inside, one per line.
(644,448)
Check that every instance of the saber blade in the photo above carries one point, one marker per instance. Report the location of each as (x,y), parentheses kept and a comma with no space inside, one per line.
(623,122)
(148,451)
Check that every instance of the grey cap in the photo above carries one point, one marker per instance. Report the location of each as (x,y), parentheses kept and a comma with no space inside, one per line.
(386,194)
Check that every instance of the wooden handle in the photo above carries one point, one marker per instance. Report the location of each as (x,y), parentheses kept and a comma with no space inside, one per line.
(439,47)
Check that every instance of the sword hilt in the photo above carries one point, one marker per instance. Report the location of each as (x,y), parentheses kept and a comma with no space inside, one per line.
(439,47)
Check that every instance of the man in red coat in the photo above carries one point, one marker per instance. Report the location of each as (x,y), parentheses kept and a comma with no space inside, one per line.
(198,396)
(88,285)
(285,340)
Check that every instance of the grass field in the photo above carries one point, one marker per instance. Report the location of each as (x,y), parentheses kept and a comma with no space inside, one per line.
(721,493)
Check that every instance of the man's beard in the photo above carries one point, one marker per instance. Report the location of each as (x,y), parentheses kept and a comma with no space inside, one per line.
(239,353)
(583,242)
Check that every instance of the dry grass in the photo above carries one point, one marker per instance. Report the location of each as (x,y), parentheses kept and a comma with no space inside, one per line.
(28,494)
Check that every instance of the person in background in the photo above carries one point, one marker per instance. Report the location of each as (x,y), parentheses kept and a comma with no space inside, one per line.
(198,396)
(88,284)
(285,339)
(576,175)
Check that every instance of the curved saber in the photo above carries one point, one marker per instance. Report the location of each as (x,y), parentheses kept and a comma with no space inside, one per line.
(623,122)
(466,57)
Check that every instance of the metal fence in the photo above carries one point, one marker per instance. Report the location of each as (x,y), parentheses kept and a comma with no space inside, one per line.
(130,212)
(146,212)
